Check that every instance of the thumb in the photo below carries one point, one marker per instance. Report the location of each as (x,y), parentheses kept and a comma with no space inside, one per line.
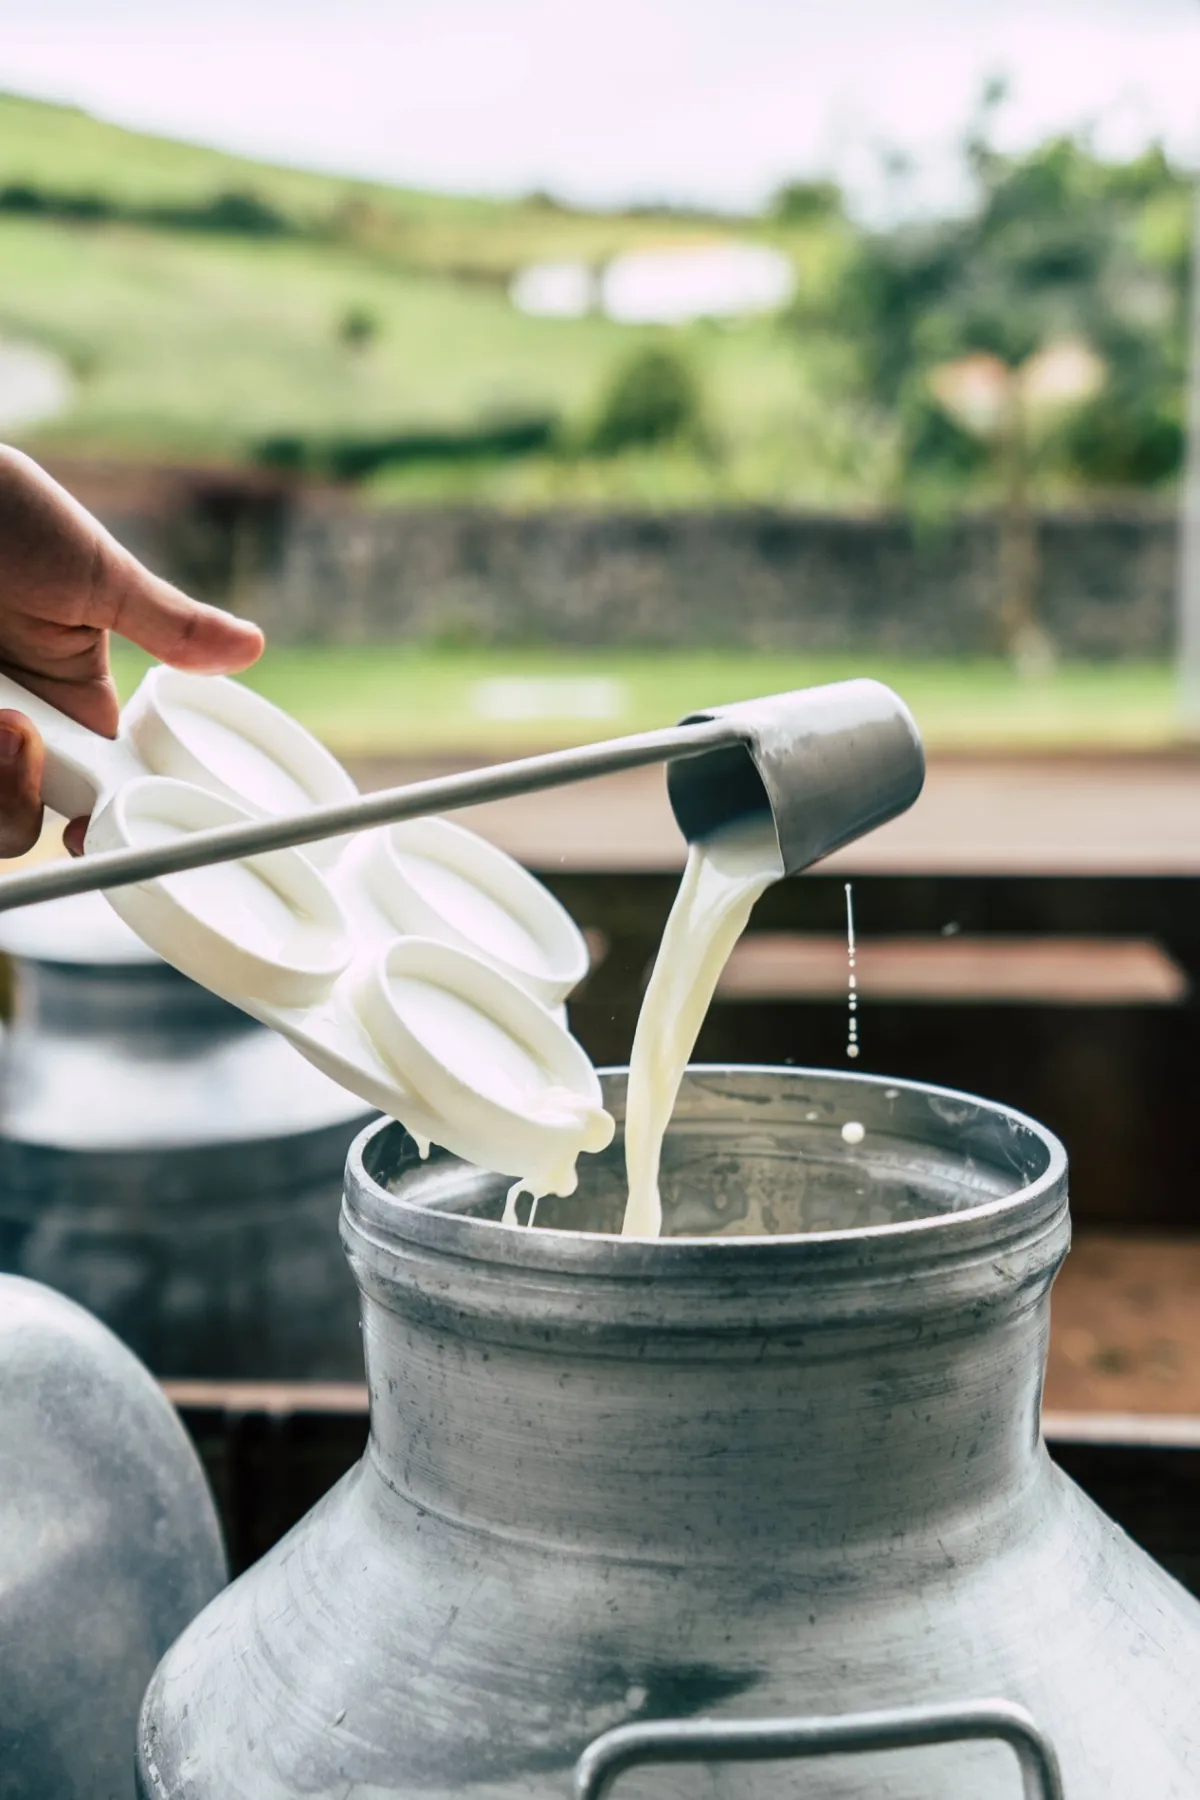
(20,784)
(183,632)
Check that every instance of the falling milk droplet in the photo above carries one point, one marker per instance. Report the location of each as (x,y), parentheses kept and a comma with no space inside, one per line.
(852,980)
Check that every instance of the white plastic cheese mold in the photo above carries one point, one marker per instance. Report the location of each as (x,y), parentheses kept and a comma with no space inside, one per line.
(415,963)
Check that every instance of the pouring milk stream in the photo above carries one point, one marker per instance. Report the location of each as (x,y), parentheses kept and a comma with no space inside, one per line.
(723,878)
(815,771)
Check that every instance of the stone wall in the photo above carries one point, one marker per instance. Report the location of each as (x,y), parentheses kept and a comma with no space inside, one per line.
(759,580)
(313,567)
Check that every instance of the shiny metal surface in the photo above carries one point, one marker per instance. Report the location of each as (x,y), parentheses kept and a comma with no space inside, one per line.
(828,763)
(831,763)
(785,1461)
(773,1740)
(108,1545)
(169,1164)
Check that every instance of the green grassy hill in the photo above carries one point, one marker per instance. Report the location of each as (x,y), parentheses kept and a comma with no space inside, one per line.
(63,151)
(190,337)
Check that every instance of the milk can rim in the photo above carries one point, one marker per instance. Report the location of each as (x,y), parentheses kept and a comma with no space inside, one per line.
(387,1219)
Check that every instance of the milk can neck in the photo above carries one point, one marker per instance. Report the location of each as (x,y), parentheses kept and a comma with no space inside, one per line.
(791,1396)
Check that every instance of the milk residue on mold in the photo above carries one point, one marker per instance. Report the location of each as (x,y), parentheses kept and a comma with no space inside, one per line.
(591,1129)
(507,1073)
(723,878)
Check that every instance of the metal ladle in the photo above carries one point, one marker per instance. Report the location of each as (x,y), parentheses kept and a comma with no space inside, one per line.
(828,764)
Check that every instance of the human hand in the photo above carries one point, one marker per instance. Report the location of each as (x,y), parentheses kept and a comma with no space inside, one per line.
(65,583)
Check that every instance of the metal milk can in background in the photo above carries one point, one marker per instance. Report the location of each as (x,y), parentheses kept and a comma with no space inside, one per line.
(108,1545)
(166,1161)
(785,1462)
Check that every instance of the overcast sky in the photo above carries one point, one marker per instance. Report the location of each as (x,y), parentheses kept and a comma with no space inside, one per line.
(707,100)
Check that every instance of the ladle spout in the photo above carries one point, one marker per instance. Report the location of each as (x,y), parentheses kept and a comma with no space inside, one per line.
(828,764)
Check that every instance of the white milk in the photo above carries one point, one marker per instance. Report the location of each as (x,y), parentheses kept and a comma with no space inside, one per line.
(852,976)
(722,880)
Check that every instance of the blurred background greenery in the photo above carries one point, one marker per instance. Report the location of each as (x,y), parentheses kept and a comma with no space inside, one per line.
(211,308)
(168,306)
(413,700)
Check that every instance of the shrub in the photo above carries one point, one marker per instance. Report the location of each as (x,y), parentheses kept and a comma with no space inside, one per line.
(239,214)
(357,328)
(807,202)
(653,397)
(355,458)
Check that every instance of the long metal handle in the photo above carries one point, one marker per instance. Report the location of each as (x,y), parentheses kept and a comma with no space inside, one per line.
(227,843)
(766,1740)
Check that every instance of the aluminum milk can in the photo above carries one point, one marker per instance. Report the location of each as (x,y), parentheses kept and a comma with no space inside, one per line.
(108,1545)
(170,1164)
(784,1462)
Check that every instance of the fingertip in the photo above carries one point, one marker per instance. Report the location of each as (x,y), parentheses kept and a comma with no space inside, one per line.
(20,784)
(252,640)
(19,744)
(216,643)
(73,836)
(185,633)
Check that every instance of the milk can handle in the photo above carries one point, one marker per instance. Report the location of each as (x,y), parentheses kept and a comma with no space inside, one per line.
(765,1740)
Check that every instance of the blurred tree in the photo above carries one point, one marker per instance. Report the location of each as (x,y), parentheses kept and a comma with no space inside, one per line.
(1041,333)
(806,203)
(242,213)
(357,328)
(1013,410)
(653,397)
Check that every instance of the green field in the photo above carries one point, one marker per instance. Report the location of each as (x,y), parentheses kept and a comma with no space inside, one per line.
(199,348)
(63,150)
(199,344)
(402,701)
